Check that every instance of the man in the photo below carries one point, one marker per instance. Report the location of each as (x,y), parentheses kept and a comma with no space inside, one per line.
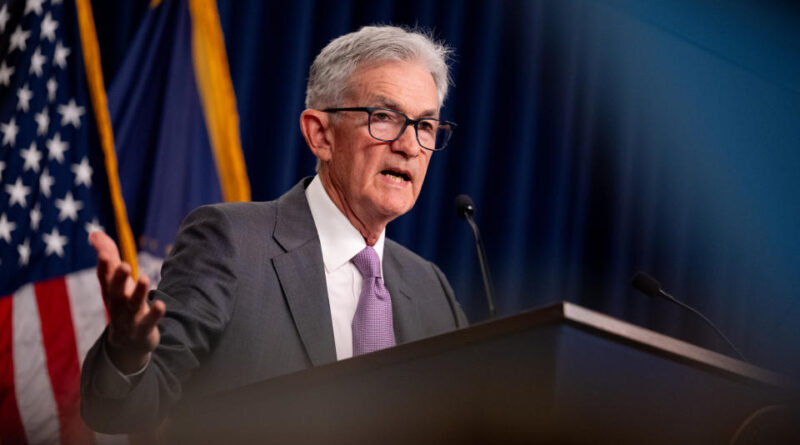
(256,290)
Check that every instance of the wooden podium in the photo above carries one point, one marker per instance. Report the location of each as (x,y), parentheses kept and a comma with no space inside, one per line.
(559,374)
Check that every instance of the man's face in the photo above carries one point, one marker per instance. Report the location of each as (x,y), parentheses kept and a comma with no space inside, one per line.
(379,181)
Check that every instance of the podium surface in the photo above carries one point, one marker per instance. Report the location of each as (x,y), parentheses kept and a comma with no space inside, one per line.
(558,374)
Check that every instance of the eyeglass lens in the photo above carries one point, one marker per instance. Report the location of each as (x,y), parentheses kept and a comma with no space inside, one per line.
(386,125)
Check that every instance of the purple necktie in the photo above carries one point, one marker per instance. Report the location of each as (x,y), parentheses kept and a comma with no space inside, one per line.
(372,324)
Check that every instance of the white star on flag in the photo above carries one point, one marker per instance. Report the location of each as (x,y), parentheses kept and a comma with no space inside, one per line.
(18,38)
(52,88)
(93,226)
(45,182)
(24,96)
(24,251)
(56,148)
(60,56)
(55,242)
(68,208)
(9,131)
(4,18)
(42,122)
(37,62)
(32,156)
(6,227)
(36,217)
(18,193)
(5,74)
(33,6)
(71,114)
(48,27)
(83,173)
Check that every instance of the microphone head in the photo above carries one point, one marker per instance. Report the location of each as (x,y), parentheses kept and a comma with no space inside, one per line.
(464,206)
(646,284)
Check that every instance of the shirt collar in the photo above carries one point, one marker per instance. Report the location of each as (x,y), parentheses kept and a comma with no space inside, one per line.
(339,239)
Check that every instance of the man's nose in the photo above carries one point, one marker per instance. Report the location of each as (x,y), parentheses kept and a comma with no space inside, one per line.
(407,142)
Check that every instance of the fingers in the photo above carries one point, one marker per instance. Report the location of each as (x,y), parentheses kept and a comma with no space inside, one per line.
(141,288)
(107,257)
(120,281)
(104,245)
(149,321)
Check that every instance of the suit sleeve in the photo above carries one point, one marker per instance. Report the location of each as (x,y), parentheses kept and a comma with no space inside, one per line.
(458,312)
(198,287)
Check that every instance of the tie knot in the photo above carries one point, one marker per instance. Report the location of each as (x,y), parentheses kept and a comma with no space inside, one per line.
(368,263)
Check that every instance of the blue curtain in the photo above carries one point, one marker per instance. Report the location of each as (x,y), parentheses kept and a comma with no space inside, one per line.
(596,137)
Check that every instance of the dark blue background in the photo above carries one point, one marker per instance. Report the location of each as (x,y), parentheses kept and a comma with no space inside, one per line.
(597,138)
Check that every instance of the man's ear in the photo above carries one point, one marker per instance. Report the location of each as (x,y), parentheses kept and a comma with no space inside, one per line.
(316,128)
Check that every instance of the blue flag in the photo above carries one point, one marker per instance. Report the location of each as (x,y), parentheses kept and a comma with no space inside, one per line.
(175,124)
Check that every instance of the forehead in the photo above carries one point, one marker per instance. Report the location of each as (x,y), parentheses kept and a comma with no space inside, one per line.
(406,86)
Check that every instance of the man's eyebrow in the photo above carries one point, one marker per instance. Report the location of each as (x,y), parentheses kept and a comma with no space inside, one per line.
(385,102)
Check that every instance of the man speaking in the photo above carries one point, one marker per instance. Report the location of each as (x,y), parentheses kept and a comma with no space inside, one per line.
(256,290)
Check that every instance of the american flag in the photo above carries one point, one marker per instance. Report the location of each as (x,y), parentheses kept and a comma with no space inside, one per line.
(52,189)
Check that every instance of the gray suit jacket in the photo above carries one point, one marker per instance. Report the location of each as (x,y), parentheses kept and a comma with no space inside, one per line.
(246,300)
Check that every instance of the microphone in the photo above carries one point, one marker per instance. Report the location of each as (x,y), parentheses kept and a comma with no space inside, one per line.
(465,208)
(648,285)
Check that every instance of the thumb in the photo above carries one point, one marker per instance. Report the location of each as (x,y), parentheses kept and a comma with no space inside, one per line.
(105,246)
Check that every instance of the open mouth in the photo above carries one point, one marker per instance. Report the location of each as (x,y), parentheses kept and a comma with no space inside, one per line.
(396,176)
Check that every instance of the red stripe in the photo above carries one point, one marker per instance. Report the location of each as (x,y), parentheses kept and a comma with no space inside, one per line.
(61,351)
(11,429)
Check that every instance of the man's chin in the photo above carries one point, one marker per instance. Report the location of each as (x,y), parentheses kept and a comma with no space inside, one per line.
(391,207)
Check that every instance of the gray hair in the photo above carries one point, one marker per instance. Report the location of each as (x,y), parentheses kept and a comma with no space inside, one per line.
(329,76)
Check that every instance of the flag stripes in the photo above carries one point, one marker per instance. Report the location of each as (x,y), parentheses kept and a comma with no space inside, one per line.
(10,422)
(46,329)
(35,401)
(62,358)
(89,315)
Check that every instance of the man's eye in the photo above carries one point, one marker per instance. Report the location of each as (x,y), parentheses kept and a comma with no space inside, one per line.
(381,116)
(427,126)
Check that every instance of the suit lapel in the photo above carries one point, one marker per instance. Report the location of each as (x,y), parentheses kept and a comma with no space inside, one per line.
(404,309)
(302,275)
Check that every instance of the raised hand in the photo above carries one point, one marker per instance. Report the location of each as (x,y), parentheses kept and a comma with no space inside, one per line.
(133,332)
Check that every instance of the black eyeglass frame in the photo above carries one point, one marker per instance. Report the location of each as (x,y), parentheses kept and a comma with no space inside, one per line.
(409,121)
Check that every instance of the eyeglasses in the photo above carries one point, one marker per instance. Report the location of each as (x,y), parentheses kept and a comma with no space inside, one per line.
(388,125)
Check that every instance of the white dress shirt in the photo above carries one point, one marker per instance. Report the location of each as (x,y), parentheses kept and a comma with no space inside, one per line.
(340,242)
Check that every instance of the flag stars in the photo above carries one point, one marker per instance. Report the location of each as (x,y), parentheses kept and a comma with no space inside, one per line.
(32,157)
(83,173)
(9,131)
(45,182)
(36,217)
(4,18)
(52,88)
(5,74)
(56,148)
(60,55)
(48,27)
(2,167)
(68,208)
(55,243)
(71,114)
(93,226)
(37,62)
(24,96)
(24,251)
(42,122)
(6,227)
(18,193)
(18,39)
(33,6)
